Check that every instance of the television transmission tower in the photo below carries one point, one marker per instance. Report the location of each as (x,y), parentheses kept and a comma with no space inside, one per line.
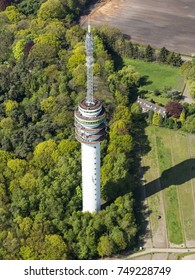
(90,130)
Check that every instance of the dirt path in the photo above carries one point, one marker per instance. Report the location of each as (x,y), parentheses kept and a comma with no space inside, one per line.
(168,23)
(179,202)
(186,95)
(156,227)
(161,239)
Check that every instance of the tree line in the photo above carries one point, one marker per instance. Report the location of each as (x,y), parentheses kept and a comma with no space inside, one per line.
(116,42)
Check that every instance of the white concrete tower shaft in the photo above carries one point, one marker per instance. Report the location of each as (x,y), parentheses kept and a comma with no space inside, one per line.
(91,177)
(90,130)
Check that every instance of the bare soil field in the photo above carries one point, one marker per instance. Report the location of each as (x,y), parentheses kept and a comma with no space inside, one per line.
(189,257)
(169,23)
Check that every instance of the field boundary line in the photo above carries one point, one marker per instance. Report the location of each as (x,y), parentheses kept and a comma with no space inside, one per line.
(191,183)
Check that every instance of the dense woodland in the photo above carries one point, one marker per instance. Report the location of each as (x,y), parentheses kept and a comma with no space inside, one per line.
(42,78)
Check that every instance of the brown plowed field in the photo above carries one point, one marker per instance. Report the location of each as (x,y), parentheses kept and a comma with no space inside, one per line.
(169,23)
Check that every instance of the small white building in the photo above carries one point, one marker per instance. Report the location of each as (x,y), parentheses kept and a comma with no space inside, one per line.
(149,106)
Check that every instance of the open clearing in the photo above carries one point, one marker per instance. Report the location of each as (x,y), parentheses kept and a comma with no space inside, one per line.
(168,23)
(170,188)
(157,76)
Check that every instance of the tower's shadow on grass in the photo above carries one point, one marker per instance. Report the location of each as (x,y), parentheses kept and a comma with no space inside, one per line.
(176,175)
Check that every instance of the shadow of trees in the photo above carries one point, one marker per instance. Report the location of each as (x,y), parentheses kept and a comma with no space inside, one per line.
(88,8)
(117,59)
(176,175)
(144,81)
(142,147)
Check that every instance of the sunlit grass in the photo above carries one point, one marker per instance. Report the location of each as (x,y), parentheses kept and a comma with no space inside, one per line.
(158,76)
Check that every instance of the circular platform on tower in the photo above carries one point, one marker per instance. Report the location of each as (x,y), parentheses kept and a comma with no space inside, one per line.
(90,126)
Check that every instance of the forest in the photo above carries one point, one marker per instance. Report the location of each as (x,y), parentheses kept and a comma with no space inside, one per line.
(42,78)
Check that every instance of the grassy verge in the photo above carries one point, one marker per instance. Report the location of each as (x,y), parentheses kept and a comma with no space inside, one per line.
(152,173)
(174,226)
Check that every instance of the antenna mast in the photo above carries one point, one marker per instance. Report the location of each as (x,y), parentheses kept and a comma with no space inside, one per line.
(89,63)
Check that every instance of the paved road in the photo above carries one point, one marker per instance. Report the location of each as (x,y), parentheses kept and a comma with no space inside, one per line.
(162,250)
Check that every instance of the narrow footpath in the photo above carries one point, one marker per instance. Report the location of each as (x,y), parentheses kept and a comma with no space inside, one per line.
(186,95)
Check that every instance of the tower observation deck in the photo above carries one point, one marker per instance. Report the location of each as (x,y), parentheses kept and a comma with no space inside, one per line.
(90,130)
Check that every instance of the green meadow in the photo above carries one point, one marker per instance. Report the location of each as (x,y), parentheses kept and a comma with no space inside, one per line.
(156,76)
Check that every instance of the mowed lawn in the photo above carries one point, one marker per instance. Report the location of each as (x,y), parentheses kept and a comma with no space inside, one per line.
(157,76)
(172,160)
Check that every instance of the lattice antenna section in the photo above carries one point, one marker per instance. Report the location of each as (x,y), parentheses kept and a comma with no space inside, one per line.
(89,63)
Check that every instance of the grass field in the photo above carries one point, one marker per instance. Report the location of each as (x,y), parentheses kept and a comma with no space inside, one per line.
(171,165)
(157,76)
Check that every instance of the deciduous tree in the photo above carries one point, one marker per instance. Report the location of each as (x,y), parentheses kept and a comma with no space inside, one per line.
(51,9)
(174,109)
(149,53)
(105,246)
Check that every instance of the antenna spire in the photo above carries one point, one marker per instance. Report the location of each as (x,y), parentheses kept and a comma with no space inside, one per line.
(89,25)
(89,63)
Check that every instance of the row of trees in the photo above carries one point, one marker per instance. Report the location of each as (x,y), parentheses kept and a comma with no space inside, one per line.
(116,42)
(189,123)
(188,71)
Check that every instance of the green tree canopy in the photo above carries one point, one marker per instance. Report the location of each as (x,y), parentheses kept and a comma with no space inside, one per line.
(45,154)
(105,246)
(51,9)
